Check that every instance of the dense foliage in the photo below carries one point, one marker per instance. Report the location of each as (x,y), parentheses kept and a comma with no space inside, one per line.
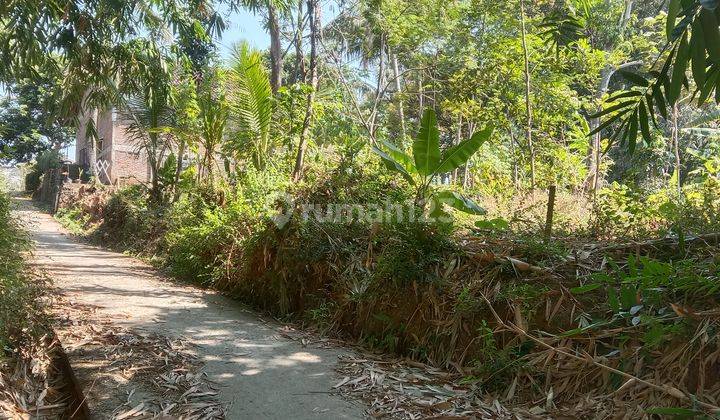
(419,289)
(29,123)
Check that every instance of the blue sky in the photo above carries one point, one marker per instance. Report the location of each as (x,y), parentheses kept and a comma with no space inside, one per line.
(243,25)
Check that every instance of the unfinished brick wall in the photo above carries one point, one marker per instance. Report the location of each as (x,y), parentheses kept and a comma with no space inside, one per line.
(130,166)
(105,130)
(125,164)
(82,144)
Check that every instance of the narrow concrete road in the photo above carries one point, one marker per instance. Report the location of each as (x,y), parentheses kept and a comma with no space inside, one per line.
(261,375)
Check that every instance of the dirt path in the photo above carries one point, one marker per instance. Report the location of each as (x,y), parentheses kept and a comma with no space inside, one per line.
(249,365)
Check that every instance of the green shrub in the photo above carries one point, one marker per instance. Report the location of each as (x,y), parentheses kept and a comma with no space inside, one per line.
(358,179)
(33,179)
(700,211)
(626,212)
(622,211)
(73,219)
(197,234)
(49,159)
(131,222)
(208,223)
(412,252)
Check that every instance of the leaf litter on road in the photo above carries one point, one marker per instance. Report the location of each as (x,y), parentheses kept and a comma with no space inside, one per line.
(160,375)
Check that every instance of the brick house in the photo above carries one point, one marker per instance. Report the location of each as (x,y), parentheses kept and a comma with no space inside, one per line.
(117,159)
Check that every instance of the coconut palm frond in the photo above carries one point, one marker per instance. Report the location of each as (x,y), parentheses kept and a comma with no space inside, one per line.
(146,120)
(251,103)
(214,113)
(356,36)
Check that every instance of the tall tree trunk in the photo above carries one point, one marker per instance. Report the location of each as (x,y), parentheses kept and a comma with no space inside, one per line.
(178,170)
(314,10)
(209,162)
(398,93)
(528,104)
(595,160)
(276,61)
(458,139)
(675,136)
(379,86)
(514,158)
(299,54)
(605,75)
(466,171)
(550,210)
(91,141)
(152,151)
(594,152)
(421,96)
(626,15)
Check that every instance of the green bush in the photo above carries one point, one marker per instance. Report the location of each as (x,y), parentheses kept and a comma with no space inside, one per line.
(131,222)
(209,226)
(33,179)
(700,211)
(358,179)
(73,218)
(208,223)
(622,211)
(198,232)
(412,252)
(49,159)
(626,212)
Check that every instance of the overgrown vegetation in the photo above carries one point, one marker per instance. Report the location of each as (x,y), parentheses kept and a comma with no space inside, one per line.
(524,192)
(46,160)
(420,288)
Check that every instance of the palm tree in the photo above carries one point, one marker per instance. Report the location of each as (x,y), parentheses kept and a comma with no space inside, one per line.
(251,105)
(360,34)
(315,36)
(274,9)
(214,112)
(146,106)
(184,101)
(148,115)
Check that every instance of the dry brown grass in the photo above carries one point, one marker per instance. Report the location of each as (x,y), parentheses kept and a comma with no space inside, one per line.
(330,279)
(438,322)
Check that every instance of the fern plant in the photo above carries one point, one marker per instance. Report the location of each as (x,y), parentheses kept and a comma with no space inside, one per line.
(428,161)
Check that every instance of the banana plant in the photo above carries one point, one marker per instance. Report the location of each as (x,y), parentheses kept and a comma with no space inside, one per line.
(427,162)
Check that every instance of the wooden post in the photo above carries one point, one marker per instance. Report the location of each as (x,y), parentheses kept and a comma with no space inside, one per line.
(550,210)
